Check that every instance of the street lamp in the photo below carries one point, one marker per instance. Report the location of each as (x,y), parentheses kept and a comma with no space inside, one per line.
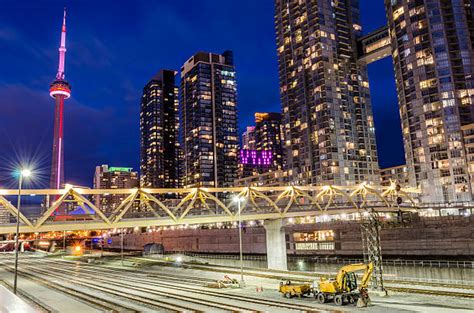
(121,246)
(24,173)
(238,200)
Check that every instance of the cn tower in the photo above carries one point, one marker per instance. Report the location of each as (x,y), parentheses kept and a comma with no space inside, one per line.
(60,90)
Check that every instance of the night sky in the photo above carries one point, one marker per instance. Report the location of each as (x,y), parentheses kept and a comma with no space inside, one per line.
(113,50)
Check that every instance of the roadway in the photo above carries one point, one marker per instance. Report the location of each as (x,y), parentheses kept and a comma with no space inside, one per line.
(147,286)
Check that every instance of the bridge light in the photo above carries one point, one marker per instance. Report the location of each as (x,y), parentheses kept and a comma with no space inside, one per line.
(326,187)
(291,220)
(179,259)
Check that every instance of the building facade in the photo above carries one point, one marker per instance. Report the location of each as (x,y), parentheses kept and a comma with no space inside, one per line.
(159,133)
(265,179)
(327,113)
(397,174)
(432,48)
(209,120)
(248,138)
(269,137)
(262,146)
(468,139)
(106,177)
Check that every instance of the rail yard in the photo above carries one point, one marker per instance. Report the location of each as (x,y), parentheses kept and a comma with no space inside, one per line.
(53,284)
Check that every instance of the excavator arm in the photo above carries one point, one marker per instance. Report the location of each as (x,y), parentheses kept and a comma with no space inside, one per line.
(368,273)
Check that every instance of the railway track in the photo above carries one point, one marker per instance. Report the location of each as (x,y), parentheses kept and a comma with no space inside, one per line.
(96,301)
(87,298)
(431,292)
(93,282)
(146,282)
(388,287)
(279,274)
(198,289)
(164,283)
(420,283)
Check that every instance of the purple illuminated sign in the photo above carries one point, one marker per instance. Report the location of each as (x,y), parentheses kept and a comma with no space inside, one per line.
(256,157)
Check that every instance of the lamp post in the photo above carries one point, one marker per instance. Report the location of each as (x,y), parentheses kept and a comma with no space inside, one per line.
(242,282)
(23,174)
(64,242)
(121,246)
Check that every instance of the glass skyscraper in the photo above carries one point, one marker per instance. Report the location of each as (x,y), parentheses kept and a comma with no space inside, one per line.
(159,128)
(208,108)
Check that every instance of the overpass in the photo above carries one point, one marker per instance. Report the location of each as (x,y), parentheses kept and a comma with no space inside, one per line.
(125,208)
(143,207)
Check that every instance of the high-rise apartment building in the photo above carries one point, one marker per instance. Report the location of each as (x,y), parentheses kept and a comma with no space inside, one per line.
(327,113)
(159,128)
(269,137)
(395,174)
(262,146)
(209,120)
(432,48)
(106,177)
(248,138)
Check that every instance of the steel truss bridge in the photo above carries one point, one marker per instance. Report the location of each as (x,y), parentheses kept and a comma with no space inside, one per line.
(127,208)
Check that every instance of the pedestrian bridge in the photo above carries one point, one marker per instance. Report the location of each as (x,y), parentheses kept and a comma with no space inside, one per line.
(75,208)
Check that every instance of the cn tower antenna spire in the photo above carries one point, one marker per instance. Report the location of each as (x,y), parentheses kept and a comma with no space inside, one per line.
(62,50)
(60,90)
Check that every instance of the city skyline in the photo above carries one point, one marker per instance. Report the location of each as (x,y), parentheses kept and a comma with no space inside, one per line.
(117,141)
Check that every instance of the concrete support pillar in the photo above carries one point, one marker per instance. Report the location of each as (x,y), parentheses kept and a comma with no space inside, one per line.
(276,245)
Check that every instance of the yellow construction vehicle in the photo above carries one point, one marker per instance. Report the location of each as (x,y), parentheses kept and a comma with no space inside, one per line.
(344,289)
(288,289)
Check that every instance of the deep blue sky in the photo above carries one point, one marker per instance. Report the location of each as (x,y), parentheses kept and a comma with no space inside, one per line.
(115,47)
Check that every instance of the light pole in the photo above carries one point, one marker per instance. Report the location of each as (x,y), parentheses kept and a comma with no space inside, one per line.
(242,282)
(23,173)
(121,246)
(64,242)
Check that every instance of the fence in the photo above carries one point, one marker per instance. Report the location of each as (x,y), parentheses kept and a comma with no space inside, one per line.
(410,263)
